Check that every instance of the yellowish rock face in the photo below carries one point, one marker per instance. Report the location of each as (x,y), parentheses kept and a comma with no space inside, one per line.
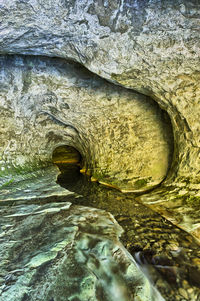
(66,155)
(125,140)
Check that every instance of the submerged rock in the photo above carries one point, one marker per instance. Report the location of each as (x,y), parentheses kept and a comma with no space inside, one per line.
(167,255)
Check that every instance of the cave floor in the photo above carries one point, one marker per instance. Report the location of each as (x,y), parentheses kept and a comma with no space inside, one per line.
(166,254)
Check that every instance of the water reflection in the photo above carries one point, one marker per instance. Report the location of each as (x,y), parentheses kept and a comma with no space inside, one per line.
(166,254)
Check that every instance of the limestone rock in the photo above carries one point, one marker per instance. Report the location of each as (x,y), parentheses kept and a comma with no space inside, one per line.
(152,47)
(149,46)
(63,252)
(123,137)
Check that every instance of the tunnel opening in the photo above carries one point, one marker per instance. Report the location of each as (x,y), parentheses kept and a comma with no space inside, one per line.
(66,156)
(69,160)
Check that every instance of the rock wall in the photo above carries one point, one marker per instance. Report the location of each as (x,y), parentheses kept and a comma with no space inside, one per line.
(140,53)
(124,138)
(149,46)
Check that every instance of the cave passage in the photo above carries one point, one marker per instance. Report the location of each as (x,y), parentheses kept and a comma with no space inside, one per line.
(66,155)
(68,159)
(167,262)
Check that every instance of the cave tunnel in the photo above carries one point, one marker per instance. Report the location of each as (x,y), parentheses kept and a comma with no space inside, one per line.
(68,159)
(66,155)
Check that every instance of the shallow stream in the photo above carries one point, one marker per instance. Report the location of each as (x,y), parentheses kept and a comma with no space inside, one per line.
(167,256)
(165,253)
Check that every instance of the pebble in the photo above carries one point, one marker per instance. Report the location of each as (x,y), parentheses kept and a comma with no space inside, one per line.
(173,247)
(190,291)
(185,285)
(183,293)
(196,261)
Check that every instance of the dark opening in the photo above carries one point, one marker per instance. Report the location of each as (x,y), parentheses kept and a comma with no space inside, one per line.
(64,155)
(68,159)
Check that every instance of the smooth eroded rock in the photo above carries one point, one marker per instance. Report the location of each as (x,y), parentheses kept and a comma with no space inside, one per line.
(124,138)
(63,252)
(150,46)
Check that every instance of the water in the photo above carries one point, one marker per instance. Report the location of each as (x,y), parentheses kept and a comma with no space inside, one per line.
(167,255)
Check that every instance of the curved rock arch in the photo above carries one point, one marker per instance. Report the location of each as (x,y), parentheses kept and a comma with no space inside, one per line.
(150,47)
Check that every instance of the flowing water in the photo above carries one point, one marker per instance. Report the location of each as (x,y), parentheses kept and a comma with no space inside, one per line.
(167,255)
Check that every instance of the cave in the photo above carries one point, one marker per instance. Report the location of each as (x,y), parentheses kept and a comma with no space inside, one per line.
(65,154)
(99,150)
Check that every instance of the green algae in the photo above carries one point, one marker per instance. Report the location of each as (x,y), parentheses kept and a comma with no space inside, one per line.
(140,183)
(6,183)
(193,201)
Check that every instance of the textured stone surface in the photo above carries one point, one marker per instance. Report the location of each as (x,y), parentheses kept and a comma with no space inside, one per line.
(167,254)
(180,205)
(122,136)
(29,185)
(62,252)
(149,46)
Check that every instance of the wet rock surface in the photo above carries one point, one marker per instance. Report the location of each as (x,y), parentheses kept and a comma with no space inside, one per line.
(59,251)
(166,253)
(75,246)
(152,47)
(180,205)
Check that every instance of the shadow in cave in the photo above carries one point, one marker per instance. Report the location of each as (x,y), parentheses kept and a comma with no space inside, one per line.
(69,161)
